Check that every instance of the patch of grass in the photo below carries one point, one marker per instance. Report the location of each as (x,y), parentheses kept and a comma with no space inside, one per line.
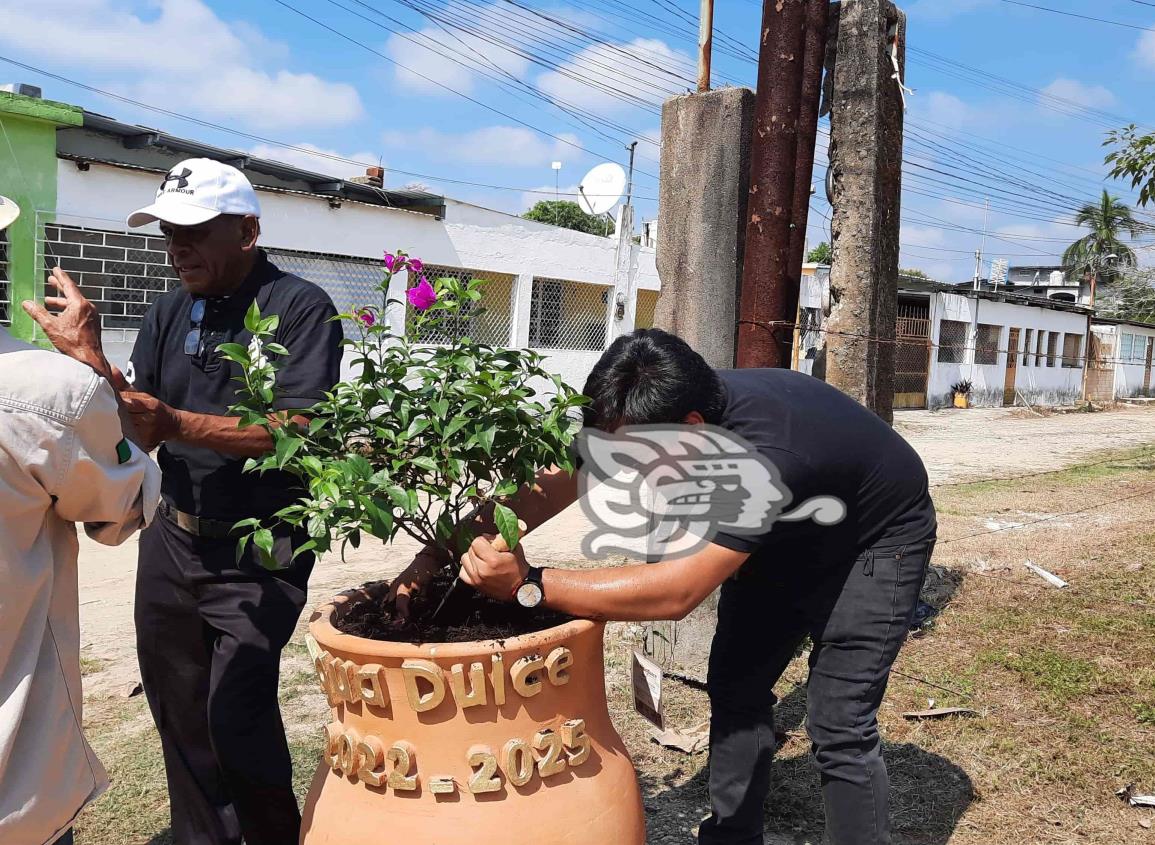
(90,665)
(1062,677)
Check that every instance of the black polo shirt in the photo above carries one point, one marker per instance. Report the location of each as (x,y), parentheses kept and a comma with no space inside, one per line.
(823,443)
(208,483)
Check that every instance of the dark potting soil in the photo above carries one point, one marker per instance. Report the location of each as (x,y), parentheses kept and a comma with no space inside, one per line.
(466,617)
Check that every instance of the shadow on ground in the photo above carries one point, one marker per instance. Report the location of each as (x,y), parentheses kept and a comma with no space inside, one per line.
(928,793)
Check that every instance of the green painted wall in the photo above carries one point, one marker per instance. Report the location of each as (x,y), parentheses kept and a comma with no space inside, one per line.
(28,176)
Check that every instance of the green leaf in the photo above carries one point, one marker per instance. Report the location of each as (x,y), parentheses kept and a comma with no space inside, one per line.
(286,448)
(263,540)
(507,487)
(454,426)
(253,318)
(380,518)
(507,525)
(242,544)
(316,424)
(485,438)
(276,349)
(234,352)
(425,463)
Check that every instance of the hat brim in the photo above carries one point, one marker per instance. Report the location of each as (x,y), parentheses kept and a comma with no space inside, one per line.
(178,214)
(9,211)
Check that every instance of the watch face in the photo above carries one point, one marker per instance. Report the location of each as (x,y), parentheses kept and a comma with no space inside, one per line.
(529,594)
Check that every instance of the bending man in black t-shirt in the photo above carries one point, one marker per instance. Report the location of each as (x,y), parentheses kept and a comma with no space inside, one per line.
(849,577)
(210,626)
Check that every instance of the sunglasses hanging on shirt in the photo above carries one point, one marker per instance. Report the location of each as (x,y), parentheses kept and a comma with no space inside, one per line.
(194,340)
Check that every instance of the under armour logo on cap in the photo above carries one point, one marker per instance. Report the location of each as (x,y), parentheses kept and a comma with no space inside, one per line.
(196,191)
(181,179)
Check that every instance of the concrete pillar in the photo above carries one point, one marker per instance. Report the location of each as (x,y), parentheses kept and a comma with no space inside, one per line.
(702,217)
(522,302)
(625,277)
(866,159)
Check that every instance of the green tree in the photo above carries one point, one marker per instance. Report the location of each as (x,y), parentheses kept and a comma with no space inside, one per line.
(914,273)
(1133,158)
(569,215)
(1131,297)
(1108,220)
(821,254)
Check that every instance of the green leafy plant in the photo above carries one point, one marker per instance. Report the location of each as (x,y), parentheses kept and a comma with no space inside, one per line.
(962,388)
(419,437)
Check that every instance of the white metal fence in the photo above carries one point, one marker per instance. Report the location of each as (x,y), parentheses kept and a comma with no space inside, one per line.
(568,315)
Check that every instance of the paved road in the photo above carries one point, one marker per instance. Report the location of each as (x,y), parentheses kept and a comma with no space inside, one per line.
(956,445)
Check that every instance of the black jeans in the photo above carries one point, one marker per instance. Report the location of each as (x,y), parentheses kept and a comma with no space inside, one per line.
(209,638)
(66,839)
(858,614)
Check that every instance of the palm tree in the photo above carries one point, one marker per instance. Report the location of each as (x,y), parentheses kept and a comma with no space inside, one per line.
(1101,254)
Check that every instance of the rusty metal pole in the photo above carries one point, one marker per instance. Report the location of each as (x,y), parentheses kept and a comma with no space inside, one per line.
(705,44)
(814,59)
(765,325)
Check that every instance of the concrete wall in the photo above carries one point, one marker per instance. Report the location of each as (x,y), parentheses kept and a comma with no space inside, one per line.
(1131,378)
(1044,385)
(470,237)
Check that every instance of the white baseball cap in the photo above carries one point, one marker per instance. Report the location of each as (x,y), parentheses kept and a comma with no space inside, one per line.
(196,191)
(9,211)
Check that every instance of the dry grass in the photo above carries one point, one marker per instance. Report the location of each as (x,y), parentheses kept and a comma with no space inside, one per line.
(1064,682)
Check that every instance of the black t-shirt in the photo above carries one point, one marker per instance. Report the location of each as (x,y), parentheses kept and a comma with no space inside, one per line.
(208,483)
(823,443)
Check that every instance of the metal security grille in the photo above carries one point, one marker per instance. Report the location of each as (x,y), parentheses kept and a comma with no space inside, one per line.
(121,272)
(987,344)
(1101,376)
(1052,348)
(645,308)
(568,315)
(1028,348)
(490,321)
(912,355)
(1072,344)
(350,281)
(952,341)
(5,287)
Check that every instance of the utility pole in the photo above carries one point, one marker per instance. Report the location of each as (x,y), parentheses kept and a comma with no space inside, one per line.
(765,323)
(983,248)
(705,44)
(556,192)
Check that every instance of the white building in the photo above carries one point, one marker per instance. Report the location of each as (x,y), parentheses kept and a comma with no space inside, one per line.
(1121,360)
(564,293)
(1013,349)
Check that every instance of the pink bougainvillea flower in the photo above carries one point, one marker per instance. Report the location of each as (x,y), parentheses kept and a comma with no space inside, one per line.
(390,259)
(422,295)
(367,317)
(416,265)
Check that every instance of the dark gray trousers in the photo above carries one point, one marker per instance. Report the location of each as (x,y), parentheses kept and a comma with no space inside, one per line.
(858,614)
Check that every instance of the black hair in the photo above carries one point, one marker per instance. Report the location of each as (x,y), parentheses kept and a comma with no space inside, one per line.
(651,377)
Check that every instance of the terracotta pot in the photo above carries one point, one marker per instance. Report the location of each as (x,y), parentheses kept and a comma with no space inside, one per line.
(480,743)
(961,400)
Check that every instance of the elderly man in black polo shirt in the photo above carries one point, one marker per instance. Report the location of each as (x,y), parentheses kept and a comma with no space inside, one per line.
(210,628)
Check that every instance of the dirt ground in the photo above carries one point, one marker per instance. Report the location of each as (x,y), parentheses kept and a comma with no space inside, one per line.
(958,447)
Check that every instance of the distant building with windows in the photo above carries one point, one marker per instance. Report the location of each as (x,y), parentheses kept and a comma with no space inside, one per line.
(1045,282)
(1014,349)
(1121,360)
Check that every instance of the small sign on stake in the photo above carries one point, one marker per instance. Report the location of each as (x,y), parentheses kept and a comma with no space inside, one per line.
(646,678)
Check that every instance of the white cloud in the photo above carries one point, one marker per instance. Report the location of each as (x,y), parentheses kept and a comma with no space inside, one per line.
(509,146)
(438,58)
(310,157)
(1144,53)
(179,54)
(943,109)
(546,192)
(1090,96)
(621,74)
(941,10)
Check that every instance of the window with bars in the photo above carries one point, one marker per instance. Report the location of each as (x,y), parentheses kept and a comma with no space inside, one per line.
(987,344)
(645,308)
(350,281)
(1072,345)
(1052,348)
(5,287)
(1027,344)
(952,341)
(568,315)
(489,321)
(1040,349)
(1126,345)
(811,332)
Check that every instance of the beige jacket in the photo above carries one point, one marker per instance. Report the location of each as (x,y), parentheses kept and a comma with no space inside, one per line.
(63,460)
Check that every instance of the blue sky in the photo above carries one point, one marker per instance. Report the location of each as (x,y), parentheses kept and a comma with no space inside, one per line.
(444,121)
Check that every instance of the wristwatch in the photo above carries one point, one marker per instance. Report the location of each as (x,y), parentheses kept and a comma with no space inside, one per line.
(531,593)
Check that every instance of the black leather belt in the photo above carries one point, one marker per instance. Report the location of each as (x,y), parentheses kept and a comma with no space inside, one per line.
(198,526)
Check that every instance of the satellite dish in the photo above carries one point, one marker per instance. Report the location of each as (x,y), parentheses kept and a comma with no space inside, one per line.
(601,188)
(9,211)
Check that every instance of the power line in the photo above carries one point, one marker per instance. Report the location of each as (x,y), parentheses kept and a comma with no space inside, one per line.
(270,141)
(1077,15)
(1050,518)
